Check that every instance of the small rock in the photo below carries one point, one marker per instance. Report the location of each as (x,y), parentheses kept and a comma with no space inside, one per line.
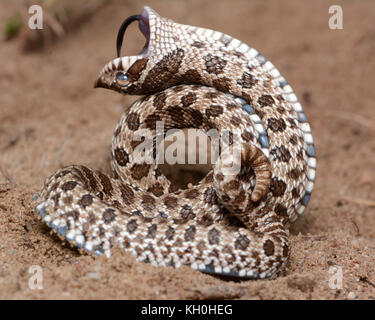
(352,295)
(93,275)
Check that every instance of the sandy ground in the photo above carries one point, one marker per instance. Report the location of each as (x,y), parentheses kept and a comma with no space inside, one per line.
(50,116)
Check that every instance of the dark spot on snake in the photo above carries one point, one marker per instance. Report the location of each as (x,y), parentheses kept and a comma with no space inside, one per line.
(109,215)
(294,174)
(157,189)
(127,194)
(210,196)
(73,214)
(170,202)
(190,233)
(281,210)
(56,198)
(191,194)
(276,124)
(86,200)
(292,123)
(293,140)
(139,171)
(268,247)
(159,100)
(132,121)
(70,185)
(213,236)
(247,136)
(68,200)
(122,158)
(206,220)
(214,253)
(222,84)
(295,193)
(188,99)
(265,100)
(170,233)
(285,250)
(281,153)
(242,242)
(151,120)
(247,80)
(165,72)
(277,187)
(90,177)
(148,202)
(135,71)
(132,226)
(117,131)
(106,183)
(214,110)
(236,121)
(191,76)
(197,44)
(186,212)
(214,64)
(151,231)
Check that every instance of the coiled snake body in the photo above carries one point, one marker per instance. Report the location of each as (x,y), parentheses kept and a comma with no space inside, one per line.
(229,224)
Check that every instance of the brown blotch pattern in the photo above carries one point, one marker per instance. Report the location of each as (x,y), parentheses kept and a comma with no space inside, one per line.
(214,110)
(276,124)
(186,212)
(210,196)
(213,236)
(70,185)
(132,225)
(190,233)
(188,99)
(265,100)
(157,189)
(132,121)
(86,200)
(277,187)
(139,171)
(135,71)
(247,80)
(170,202)
(159,100)
(109,215)
(214,64)
(268,247)
(191,76)
(281,153)
(222,84)
(148,202)
(106,183)
(242,242)
(121,157)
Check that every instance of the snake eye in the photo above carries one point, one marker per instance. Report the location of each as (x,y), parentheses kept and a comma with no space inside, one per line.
(122,80)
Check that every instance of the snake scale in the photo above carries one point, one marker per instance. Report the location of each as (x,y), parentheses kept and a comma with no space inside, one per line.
(227,224)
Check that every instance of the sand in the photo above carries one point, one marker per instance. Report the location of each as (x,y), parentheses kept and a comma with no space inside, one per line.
(50,116)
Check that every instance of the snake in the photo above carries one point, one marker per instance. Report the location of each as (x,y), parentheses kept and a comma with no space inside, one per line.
(230,223)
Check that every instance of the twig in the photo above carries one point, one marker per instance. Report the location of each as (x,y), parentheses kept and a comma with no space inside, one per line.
(365,279)
(17,138)
(8,177)
(57,159)
(369,203)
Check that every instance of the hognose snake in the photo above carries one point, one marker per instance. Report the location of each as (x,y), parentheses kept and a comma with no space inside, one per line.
(233,225)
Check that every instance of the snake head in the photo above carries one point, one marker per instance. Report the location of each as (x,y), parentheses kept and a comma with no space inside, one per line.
(151,70)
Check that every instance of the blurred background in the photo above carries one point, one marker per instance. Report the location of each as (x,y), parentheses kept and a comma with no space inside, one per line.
(51,116)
